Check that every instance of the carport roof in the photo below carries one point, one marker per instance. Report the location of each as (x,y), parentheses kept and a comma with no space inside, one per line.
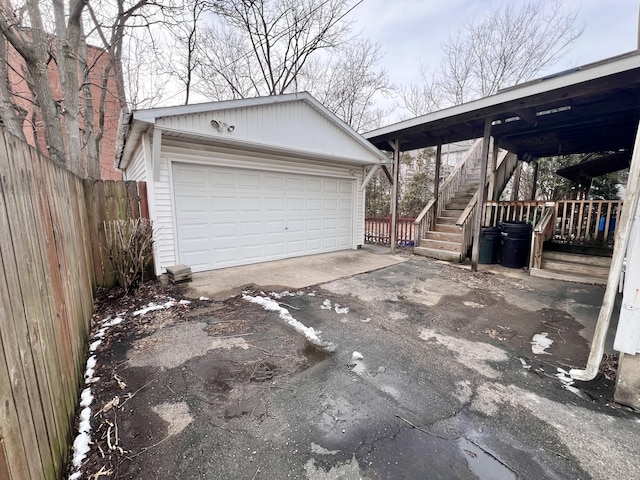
(592,108)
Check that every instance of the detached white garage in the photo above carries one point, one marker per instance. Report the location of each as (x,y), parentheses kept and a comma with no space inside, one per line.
(248,181)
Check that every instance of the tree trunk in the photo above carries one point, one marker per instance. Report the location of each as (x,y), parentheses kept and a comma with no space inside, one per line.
(8,109)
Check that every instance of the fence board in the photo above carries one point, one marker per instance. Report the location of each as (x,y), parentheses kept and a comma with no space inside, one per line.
(51,260)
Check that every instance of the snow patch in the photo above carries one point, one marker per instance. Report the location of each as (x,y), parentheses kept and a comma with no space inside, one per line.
(524,363)
(341,310)
(326,305)
(86,397)
(271,305)
(356,356)
(94,345)
(203,299)
(540,342)
(315,448)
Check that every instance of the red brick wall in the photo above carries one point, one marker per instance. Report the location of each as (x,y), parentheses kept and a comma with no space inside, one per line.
(98,60)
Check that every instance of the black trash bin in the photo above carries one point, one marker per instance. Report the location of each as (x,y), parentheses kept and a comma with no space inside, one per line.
(516,237)
(489,244)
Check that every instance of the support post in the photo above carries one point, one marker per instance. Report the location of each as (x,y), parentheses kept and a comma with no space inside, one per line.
(515,188)
(622,232)
(436,183)
(484,159)
(494,166)
(394,194)
(534,186)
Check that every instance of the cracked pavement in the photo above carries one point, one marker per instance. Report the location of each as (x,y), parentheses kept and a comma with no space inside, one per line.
(445,387)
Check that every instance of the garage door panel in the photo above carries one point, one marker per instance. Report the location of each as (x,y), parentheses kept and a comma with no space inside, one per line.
(221,179)
(229,217)
(225,230)
(272,182)
(295,184)
(248,229)
(224,204)
(274,205)
(314,225)
(250,204)
(314,185)
(249,181)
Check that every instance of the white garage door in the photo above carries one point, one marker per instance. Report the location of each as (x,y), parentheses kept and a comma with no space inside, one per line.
(228,217)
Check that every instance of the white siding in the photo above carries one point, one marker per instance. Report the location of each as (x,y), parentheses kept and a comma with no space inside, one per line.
(177,151)
(136,170)
(295,126)
(163,221)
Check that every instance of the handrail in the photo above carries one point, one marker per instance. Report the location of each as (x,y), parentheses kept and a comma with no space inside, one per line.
(462,219)
(449,187)
(424,211)
(461,163)
(541,232)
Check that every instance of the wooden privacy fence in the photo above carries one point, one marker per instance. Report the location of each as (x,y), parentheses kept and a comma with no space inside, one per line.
(377,230)
(50,259)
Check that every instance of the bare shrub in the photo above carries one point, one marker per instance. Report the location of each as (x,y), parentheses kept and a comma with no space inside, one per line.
(130,249)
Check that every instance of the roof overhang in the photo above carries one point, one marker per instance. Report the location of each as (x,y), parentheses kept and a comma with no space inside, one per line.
(591,108)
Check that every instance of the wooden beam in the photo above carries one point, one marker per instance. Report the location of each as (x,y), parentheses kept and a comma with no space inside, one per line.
(368,177)
(494,166)
(528,115)
(387,174)
(534,185)
(394,194)
(515,186)
(436,182)
(475,251)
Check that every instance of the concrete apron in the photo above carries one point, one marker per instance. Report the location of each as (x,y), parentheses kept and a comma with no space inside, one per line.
(293,273)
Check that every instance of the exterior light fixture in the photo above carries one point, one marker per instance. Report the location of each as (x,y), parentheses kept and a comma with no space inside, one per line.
(222,126)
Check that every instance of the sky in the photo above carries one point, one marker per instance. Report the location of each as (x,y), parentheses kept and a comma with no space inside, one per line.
(412,31)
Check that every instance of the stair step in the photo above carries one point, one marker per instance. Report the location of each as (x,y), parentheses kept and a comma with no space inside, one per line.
(573,268)
(446,220)
(451,213)
(577,258)
(566,277)
(457,205)
(444,236)
(441,245)
(447,228)
(439,254)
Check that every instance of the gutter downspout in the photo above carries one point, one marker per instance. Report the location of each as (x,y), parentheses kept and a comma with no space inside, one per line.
(617,261)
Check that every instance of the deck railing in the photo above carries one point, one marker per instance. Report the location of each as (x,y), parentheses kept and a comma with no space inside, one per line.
(521,211)
(586,222)
(457,178)
(377,230)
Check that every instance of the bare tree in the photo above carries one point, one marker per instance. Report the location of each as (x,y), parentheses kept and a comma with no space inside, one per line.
(509,45)
(33,44)
(276,39)
(349,83)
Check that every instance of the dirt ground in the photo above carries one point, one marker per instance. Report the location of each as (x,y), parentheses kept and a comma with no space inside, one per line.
(227,389)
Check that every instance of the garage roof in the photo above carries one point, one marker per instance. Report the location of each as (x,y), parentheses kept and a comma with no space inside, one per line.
(294,124)
(591,108)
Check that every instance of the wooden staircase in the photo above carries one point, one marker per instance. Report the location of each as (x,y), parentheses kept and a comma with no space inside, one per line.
(444,240)
(573,267)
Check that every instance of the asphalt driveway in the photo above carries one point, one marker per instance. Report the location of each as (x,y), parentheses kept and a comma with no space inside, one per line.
(418,370)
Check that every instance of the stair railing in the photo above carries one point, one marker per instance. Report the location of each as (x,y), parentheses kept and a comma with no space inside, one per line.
(542,232)
(465,220)
(457,178)
(506,165)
